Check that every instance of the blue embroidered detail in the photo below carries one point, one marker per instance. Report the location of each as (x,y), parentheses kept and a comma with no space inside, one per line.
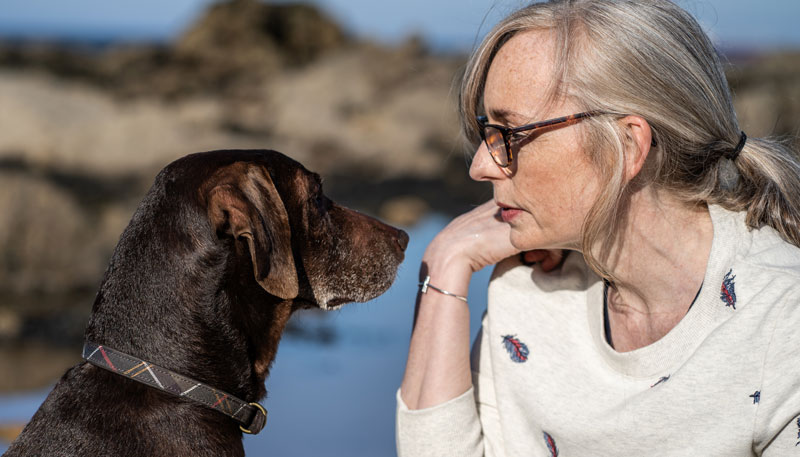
(660,380)
(798,431)
(551,444)
(516,348)
(727,292)
(756,396)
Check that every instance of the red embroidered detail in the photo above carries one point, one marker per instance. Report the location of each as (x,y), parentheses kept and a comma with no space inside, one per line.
(728,290)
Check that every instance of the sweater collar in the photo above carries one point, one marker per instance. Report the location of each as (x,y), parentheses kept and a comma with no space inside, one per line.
(712,306)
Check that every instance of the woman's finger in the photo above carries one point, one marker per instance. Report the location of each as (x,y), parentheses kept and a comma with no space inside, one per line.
(552,260)
(549,259)
(476,238)
(531,257)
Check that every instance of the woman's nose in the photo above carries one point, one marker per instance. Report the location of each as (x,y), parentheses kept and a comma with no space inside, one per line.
(483,167)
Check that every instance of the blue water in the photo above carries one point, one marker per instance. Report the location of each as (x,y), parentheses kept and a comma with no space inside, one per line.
(336,399)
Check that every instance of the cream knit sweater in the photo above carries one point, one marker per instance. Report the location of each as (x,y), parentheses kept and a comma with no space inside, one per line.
(724,382)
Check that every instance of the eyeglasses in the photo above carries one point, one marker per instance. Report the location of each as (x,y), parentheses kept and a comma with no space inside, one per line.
(499,139)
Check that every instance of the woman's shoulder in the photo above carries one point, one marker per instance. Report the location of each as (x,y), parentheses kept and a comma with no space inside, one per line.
(760,248)
(511,276)
(766,269)
(768,251)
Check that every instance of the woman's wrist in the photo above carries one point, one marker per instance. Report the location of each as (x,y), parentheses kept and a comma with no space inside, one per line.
(451,276)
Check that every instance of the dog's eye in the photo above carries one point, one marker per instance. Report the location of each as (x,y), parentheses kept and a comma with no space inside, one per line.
(323,203)
(318,199)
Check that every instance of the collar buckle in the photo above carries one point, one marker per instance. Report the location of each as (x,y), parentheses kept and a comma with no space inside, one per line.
(257,421)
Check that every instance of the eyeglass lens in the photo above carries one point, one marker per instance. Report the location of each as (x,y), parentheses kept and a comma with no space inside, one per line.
(496,145)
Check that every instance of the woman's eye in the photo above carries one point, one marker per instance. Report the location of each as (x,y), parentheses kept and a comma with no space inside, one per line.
(521,139)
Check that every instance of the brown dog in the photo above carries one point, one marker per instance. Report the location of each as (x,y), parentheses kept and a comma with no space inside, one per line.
(221,251)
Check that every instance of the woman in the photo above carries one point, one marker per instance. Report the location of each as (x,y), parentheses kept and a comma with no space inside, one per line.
(671,330)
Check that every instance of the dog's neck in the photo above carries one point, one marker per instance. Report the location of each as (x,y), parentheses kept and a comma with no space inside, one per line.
(200,314)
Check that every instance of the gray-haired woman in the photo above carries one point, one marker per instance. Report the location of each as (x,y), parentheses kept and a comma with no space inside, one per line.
(672,330)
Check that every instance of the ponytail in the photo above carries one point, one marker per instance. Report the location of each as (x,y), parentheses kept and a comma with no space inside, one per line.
(768,188)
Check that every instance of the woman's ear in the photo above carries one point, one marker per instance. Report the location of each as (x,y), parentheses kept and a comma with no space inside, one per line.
(638,141)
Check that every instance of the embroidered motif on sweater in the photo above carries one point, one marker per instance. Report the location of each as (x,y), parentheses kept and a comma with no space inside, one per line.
(756,396)
(551,444)
(516,348)
(727,292)
(660,380)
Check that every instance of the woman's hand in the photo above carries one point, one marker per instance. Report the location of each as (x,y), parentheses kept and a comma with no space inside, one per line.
(470,242)
(478,239)
(548,259)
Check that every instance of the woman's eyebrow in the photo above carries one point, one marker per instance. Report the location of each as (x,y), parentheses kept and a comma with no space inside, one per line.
(504,115)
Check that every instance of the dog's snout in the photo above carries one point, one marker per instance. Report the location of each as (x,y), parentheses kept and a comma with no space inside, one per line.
(402,239)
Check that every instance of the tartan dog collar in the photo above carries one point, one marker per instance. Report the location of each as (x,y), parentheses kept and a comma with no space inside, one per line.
(252,417)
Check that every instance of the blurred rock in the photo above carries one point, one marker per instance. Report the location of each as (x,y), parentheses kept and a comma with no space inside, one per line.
(767,94)
(247,35)
(77,62)
(404,211)
(369,112)
(10,325)
(34,366)
(46,241)
(235,44)
(70,126)
(9,432)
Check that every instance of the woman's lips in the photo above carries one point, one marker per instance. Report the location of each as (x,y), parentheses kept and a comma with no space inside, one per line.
(508,213)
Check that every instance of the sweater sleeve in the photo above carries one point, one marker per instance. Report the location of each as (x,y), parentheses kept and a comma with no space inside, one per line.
(458,426)
(777,427)
(449,428)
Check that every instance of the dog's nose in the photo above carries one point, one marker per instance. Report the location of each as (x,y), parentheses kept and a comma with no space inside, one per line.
(402,239)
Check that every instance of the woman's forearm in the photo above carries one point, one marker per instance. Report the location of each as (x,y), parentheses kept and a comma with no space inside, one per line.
(438,367)
(438,357)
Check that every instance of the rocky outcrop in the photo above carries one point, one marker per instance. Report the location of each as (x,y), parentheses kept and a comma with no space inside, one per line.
(247,34)
(236,44)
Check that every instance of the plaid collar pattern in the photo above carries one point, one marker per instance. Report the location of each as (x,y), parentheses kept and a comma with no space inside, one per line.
(252,417)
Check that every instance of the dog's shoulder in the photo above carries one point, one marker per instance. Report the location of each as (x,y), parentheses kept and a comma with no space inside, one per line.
(81,417)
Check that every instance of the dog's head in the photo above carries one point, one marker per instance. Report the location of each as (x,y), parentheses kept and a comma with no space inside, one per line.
(221,251)
(302,246)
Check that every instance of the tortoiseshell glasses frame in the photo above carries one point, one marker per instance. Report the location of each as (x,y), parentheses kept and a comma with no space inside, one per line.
(499,139)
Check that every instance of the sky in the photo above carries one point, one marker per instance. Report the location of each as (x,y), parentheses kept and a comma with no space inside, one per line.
(445,24)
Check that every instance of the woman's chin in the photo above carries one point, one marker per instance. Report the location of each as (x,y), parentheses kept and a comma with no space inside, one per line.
(526,241)
(531,241)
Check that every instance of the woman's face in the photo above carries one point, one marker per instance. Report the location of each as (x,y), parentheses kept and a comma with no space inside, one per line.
(550,187)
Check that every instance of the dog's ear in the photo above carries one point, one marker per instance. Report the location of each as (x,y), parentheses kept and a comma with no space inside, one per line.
(245,204)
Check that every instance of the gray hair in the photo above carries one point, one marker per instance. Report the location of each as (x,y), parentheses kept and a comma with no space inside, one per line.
(649,58)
